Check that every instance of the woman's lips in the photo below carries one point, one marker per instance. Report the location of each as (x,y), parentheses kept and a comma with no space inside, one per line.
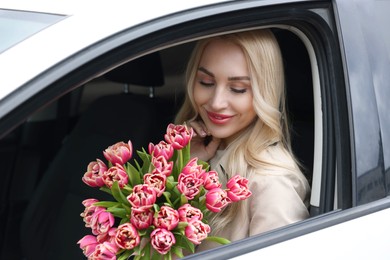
(218,118)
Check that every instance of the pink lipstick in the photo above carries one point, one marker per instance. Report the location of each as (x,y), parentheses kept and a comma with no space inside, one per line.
(218,118)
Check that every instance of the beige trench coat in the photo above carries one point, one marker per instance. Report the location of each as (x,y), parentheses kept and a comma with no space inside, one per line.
(278,199)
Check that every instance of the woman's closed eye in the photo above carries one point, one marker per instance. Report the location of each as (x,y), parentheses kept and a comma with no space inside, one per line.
(238,90)
(206,83)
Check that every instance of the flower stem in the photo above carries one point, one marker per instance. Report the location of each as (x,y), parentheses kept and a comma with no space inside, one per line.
(180,160)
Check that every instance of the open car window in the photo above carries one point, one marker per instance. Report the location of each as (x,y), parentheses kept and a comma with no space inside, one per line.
(93,105)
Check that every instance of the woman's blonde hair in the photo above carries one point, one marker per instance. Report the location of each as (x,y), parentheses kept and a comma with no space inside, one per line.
(245,156)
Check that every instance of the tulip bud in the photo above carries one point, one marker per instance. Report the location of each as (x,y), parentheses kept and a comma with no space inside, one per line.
(119,153)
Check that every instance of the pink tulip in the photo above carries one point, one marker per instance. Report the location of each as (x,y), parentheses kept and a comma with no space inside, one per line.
(196,231)
(90,210)
(188,213)
(216,199)
(189,184)
(157,181)
(93,176)
(211,180)
(178,136)
(119,153)
(192,168)
(88,244)
(108,236)
(116,173)
(101,222)
(141,218)
(237,188)
(161,149)
(127,236)
(162,240)
(89,202)
(162,166)
(105,251)
(142,196)
(167,218)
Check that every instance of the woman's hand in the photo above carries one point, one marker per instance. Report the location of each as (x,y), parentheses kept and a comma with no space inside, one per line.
(203,144)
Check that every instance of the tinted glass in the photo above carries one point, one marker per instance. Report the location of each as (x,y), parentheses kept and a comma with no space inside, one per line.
(382,76)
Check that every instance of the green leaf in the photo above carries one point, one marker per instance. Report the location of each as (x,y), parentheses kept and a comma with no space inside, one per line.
(146,251)
(186,154)
(139,168)
(182,225)
(107,204)
(183,199)
(170,183)
(204,164)
(220,240)
(156,209)
(134,175)
(118,212)
(127,208)
(106,189)
(180,229)
(167,196)
(146,160)
(189,245)
(174,156)
(177,251)
(155,255)
(194,203)
(118,195)
(183,242)
(142,233)
(180,162)
(176,164)
(137,250)
(125,255)
(176,203)
(124,220)
(127,189)
(177,192)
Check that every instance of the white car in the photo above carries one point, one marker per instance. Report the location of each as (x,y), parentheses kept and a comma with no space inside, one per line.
(77,76)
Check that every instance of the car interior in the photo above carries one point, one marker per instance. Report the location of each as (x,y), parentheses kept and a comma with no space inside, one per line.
(46,156)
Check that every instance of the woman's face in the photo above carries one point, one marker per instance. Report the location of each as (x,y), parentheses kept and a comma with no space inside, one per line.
(223,92)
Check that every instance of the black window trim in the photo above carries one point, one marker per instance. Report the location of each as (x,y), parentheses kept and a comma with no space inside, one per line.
(297,15)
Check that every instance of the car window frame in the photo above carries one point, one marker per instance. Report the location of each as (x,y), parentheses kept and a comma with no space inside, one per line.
(163,33)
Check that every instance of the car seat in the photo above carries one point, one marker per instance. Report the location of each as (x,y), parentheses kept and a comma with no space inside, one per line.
(51,225)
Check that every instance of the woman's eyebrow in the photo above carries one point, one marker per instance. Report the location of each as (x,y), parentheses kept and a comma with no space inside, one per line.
(238,78)
(204,70)
(235,78)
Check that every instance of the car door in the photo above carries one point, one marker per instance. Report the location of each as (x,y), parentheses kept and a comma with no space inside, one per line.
(317,43)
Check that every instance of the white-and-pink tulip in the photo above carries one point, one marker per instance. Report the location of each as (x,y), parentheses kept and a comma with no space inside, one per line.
(119,153)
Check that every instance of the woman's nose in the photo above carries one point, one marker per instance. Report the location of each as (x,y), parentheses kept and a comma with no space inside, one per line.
(218,99)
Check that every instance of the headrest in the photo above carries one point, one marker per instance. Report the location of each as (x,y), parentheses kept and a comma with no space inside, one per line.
(145,71)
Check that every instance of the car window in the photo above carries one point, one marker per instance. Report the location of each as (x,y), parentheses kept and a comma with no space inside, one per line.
(382,89)
(98,108)
(15,26)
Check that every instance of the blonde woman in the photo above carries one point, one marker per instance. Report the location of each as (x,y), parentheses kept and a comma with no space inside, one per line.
(235,102)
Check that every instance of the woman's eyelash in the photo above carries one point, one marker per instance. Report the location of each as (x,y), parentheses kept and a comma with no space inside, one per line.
(207,84)
(239,91)
(234,90)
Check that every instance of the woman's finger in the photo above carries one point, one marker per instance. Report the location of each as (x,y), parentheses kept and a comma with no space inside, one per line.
(198,127)
(212,146)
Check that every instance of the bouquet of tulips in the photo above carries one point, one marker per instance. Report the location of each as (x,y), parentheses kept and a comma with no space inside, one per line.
(160,206)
